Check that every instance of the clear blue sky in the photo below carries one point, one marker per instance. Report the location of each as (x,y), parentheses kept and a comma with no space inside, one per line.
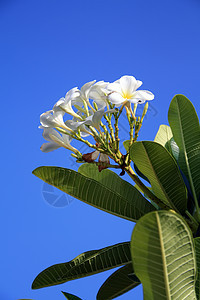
(48,47)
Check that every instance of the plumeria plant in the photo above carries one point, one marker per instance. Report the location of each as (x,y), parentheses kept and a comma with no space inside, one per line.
(164,252)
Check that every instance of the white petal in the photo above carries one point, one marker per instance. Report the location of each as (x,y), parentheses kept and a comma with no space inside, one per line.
(97,91)
(84,134)
(46,134)
(72,94)
(141,96)
(114,87)
(88,121)
(96,118)
(58,118)
(77,101)
(63,141)
(100,103)
(67,139)
(128,84)
(117,81)
(50,120)
(48,147)
(116,98)
(139,83)
(67,107)
(46,119)
(59,140)
(86,88)
(58,104)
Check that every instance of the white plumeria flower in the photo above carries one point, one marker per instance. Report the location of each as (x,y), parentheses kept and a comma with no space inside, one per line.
(83,93)
(53,118)
(124,89)
(97,93)
(66,103)
(85,90)
(78,125)
(95,118)
(56,141)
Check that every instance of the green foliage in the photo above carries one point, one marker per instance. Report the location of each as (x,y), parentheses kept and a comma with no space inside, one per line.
(184,124)
(88,263)
(126,145)
(165,246)
(131,206)
(155,162)
(164,136)
(115,183)
(163,256)
(118,283)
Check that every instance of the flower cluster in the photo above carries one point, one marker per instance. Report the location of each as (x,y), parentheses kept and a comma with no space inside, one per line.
(87,107)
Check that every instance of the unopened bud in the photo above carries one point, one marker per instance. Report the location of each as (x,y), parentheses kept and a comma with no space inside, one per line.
(144,111)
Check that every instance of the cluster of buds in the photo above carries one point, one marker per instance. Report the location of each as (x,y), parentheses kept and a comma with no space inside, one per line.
(95,110)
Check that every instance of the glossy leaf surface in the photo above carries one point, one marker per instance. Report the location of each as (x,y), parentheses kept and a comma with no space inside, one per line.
(128,204)
(156,163)
(184,123)
(118,283)
(163,256)
(88,263)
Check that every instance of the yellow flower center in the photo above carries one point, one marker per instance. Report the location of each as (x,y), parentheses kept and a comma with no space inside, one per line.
(127,95)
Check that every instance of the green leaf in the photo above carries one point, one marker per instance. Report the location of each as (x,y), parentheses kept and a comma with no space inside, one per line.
(118,283)
(184,123)
(113,181)
(70,296)
(163,256)
(126,145)
(88,263)
(140,173)
(88,190)
(155,162)
(197,252)
(164,136)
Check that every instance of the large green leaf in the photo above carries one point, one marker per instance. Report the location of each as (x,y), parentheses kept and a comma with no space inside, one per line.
(197,252)
(156,163)
(112,181)
(88,263)
(184,123)
(70,296)
(163,256)
(130,207)
(118,283)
